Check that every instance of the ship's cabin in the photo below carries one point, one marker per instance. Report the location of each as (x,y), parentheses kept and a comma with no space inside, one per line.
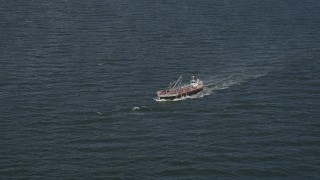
(193,81)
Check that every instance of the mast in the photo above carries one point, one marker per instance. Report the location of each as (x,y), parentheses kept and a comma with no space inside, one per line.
(175,83)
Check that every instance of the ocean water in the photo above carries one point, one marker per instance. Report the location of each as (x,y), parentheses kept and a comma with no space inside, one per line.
(78,80)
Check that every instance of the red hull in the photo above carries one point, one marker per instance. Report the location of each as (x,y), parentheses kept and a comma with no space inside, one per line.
(181,94)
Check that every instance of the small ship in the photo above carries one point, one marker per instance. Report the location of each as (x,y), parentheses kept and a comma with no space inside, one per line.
(176,90)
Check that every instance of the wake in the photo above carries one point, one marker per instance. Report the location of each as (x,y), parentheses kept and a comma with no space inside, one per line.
(221,83)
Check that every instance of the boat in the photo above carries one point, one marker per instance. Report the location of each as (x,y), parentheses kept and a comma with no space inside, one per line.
(176,90)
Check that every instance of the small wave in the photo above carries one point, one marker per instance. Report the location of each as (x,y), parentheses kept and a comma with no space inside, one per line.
(99,113)
(135,108)
(141,108)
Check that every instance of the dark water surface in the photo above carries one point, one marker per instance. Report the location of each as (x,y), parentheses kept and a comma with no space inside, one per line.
(78,80)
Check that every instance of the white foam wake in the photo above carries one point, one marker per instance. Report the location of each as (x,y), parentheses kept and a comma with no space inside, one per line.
(229,81)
